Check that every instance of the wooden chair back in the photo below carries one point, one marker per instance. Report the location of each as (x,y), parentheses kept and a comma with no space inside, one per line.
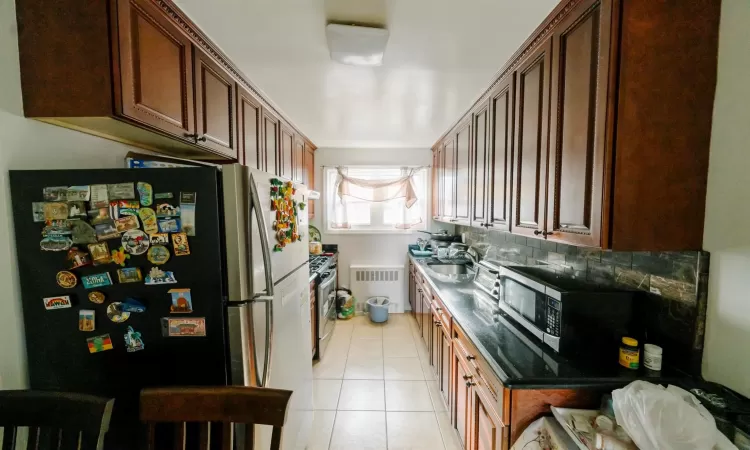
(56,420)
(224,406)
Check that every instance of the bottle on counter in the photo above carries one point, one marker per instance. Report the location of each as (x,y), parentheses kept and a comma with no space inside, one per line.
(652,356)
(630,354)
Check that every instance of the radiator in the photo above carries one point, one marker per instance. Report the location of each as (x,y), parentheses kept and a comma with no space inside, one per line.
(368,280)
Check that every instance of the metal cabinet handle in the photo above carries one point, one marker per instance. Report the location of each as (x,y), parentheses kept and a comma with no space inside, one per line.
(437,322)
(550,233)
(488,225)
(468,377)
(470,384)
(190,135)
(438,309)
(537,232)
(469,358)
(201,139)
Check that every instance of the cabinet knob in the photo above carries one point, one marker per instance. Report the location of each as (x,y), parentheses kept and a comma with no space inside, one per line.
(467,377)
(469,358)
(201,139)
(550,233)
(537,232)
(437,322)
(488,225)
(190,136)
(470,384)
(438,309)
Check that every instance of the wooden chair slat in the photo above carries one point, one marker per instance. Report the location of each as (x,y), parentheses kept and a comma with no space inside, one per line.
(180,430)
(32,443)
(205,437)
(249,437)
(9,438)
(227,436)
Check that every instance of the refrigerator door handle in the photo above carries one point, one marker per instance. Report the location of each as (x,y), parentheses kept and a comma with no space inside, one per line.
(268,300)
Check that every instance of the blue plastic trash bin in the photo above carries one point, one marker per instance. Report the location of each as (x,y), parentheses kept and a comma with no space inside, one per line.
(378,307)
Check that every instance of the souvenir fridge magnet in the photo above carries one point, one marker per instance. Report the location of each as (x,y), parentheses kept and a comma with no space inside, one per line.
(77,210)
(98,196)
(129,275)
(59,302)
(157,276)
(55,211)
(100,253)
(116,314)
(158,255)
(169,225)
(159,239)
(55,194)
(96,297)
(187,206)
(55,243)
(133,341)
(82,232)
(163,195)
(97,280)
(145,193)
(188,326)
(132,305)
(77,258)
(148,217)
(99,215)
(181,301)
(78,193)
(57,228)
(66,279)
(121,191)
(37,209)
(86,320)
(106,230)
(136,242)
(98,344)
(125,207)
(180,244)
(165,210)
(126,223)
(119,256)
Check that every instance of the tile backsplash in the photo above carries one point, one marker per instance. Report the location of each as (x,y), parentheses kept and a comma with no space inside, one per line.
(674,284)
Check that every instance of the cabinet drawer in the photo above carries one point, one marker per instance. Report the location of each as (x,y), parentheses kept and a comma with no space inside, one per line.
(442,311)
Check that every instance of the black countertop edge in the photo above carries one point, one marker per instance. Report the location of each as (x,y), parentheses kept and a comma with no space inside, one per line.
(511,382)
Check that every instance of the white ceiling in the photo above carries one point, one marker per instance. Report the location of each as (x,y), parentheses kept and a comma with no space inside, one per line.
(440,56)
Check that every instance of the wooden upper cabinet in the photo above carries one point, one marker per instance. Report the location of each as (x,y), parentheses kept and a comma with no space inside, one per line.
(449,179)
(463,172)
(286,155)
(531,133)
(479,166)
(500,159)
(298,160)
(215,105)
(577,128)
(249,130)
(309,176)
(271,148)
(156,69)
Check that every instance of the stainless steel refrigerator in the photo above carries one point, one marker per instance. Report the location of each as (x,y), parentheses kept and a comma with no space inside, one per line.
(254,300)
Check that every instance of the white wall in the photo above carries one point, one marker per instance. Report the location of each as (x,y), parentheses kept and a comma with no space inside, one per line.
(368,248)
(28,144)
(727,225)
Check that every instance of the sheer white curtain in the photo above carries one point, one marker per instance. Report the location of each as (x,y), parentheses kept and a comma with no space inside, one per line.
(393,188)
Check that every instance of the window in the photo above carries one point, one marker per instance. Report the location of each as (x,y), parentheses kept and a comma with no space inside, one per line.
(372,204)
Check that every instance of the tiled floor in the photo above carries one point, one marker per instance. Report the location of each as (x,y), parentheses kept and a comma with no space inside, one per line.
(375,390)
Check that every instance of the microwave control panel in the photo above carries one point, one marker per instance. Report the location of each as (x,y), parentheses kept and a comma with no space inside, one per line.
(553,316)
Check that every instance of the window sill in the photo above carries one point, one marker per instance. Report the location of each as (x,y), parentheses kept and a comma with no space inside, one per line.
(361,232)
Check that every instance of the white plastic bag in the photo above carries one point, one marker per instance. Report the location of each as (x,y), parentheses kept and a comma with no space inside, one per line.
(663,419)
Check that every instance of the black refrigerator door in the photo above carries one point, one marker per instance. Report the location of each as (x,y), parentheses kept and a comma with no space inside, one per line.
(57,352)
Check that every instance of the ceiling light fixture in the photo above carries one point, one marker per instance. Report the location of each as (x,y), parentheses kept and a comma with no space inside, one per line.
(356,46)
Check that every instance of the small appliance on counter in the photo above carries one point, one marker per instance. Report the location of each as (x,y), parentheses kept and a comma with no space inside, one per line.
(569,316)
(440,242)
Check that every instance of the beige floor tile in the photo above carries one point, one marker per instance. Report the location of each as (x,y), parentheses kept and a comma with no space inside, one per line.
(367,332)
(326,394)
(413,431)
(407,396)
(364,369)
(399,348)
(438,403)
(427,369)
(343,329)
(369,348)
(330,367)
(321,430)
(360,430)
(362,395)
(398,332)
(402,369)
(451,440)
(398,321)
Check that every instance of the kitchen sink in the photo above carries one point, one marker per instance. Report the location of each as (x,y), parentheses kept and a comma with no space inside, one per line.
(450,269)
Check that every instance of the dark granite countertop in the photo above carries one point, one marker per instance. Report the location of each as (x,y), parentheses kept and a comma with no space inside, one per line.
(519,360)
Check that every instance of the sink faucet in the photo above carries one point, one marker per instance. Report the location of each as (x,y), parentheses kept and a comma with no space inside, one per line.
(470,254)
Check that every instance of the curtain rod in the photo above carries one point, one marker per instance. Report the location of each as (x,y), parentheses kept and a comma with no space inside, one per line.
(388,166)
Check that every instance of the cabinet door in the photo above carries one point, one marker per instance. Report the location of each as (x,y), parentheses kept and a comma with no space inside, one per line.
(487,428)
(449,179)
(309,176)
(156,69)
(461,405)
(270,142)
(500,158)
(479,167)
(215,104)
(298,156)
(577,153)
(286,157)
(444,380)
(418,305)
(435,340)
(532,113)
(248,130)
(437,152)
(463,173)
(426,322)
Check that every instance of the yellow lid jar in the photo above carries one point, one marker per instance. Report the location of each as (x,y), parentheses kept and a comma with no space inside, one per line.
(630,354)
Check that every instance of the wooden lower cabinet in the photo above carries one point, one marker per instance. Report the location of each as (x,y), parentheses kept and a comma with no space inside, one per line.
(444,376)
(461,399)
(435,339)
(487,431)
(426,318)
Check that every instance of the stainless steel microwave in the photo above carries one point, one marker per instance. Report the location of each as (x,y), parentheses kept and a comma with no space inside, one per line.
(570,316)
